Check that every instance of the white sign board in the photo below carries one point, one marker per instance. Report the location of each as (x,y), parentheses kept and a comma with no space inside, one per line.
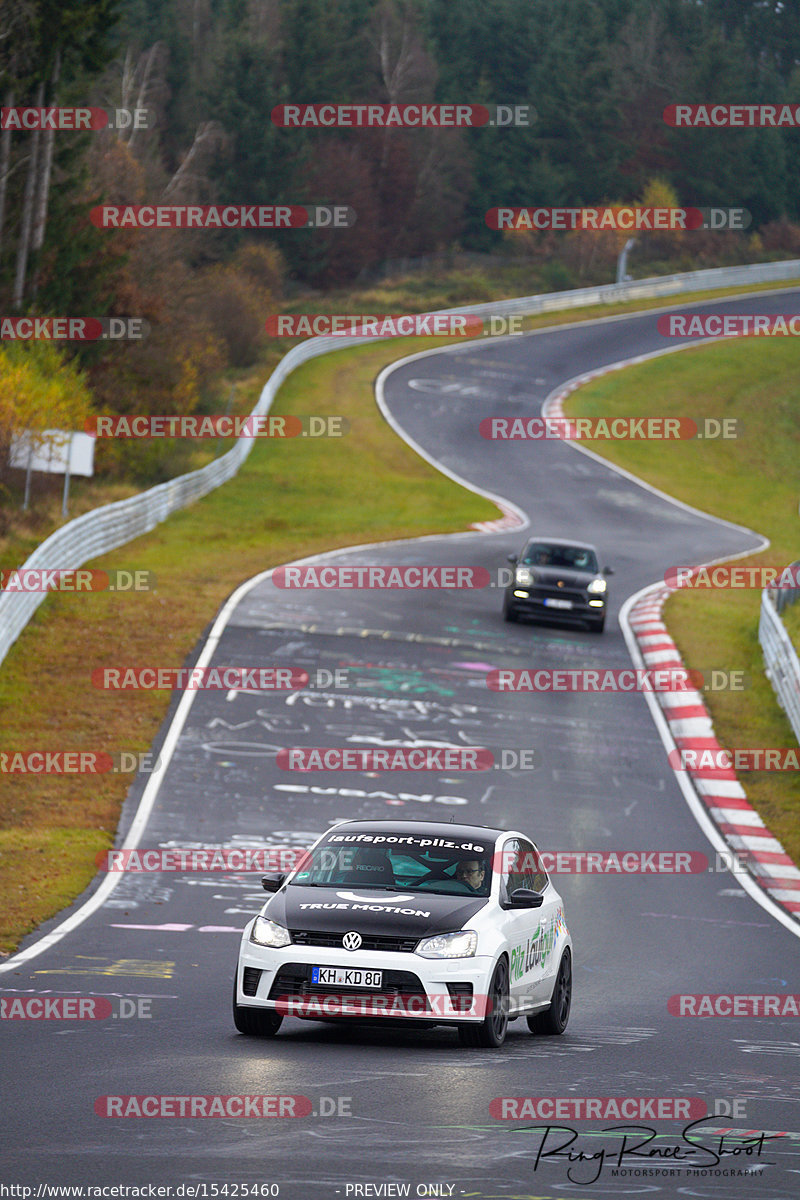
(50,449)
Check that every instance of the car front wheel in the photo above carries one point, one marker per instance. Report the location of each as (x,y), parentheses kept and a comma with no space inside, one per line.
(554,1019)
(492,1030)
(258,1022)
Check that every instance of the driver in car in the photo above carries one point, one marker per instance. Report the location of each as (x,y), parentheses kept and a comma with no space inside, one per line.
(471,872)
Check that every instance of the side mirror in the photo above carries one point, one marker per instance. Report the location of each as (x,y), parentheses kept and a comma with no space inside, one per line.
(526,898)
(512,558)
(273,882)
(608,570)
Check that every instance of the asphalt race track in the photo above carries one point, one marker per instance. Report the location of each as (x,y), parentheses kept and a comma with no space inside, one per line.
(414,1107)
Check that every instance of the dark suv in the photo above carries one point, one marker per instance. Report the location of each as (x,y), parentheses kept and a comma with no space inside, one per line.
(554,577)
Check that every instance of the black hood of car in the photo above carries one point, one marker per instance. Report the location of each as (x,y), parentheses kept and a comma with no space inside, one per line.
(377,911)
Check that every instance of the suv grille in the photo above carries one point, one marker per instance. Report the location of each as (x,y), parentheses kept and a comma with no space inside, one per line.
(313,937)
(576,595)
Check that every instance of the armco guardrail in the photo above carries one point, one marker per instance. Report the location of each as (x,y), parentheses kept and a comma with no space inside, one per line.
(103,529)
(780,657)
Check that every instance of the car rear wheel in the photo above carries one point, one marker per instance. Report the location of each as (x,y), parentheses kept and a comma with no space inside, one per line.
(554,1019)
(509,612)
(258,1022)
(492,1030)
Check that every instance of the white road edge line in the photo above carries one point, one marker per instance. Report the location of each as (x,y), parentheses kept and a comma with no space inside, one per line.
(696,806)
(139,823)
(145,808)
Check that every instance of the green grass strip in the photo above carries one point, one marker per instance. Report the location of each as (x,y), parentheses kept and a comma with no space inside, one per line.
(751,480)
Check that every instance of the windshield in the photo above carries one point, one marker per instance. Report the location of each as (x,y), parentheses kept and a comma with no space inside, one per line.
(574,558)
(397,863)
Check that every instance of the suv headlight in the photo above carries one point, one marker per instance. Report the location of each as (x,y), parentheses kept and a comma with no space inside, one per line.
(597,585)
(524,575)
(267,933)
(449,945)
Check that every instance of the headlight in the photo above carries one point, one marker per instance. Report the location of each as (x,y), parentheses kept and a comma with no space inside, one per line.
(267,933)
(524,575)
(449,945)
(597,585)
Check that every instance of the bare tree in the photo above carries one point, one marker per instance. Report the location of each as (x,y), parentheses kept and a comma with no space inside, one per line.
(16,19)
(191,178)
(28,200)
(5,163)
(407,70)
(45,170)
(142,84)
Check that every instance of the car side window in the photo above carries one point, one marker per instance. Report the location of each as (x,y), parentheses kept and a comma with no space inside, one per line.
(509,854)
(531,873)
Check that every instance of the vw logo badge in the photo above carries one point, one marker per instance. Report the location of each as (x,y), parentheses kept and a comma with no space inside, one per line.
(352,940)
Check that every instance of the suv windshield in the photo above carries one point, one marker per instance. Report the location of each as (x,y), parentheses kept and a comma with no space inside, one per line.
(570,558)
(405,864)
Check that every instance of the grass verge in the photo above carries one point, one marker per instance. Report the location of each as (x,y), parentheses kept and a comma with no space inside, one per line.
(288,501)
(751,480)
(406,294)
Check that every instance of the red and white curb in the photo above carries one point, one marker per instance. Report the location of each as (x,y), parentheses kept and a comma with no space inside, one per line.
(510,519)
(724,797)
(690,727)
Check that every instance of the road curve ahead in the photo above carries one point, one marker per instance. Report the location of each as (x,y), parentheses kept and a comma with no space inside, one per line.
(408,1113)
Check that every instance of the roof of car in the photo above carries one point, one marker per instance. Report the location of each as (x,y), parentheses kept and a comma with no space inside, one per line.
(441,829)
(559,541)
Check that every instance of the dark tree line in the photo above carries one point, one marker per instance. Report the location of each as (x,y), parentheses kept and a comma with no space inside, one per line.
(599,74)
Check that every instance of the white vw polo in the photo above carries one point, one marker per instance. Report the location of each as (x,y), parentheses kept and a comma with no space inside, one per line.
(408,920)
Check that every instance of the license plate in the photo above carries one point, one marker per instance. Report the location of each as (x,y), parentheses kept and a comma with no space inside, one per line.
(551,603)
(347,976)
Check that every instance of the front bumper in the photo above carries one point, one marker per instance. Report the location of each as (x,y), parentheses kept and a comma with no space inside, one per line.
(412,987)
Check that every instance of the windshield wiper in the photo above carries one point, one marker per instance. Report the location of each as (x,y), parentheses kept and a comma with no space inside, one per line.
(353,887)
